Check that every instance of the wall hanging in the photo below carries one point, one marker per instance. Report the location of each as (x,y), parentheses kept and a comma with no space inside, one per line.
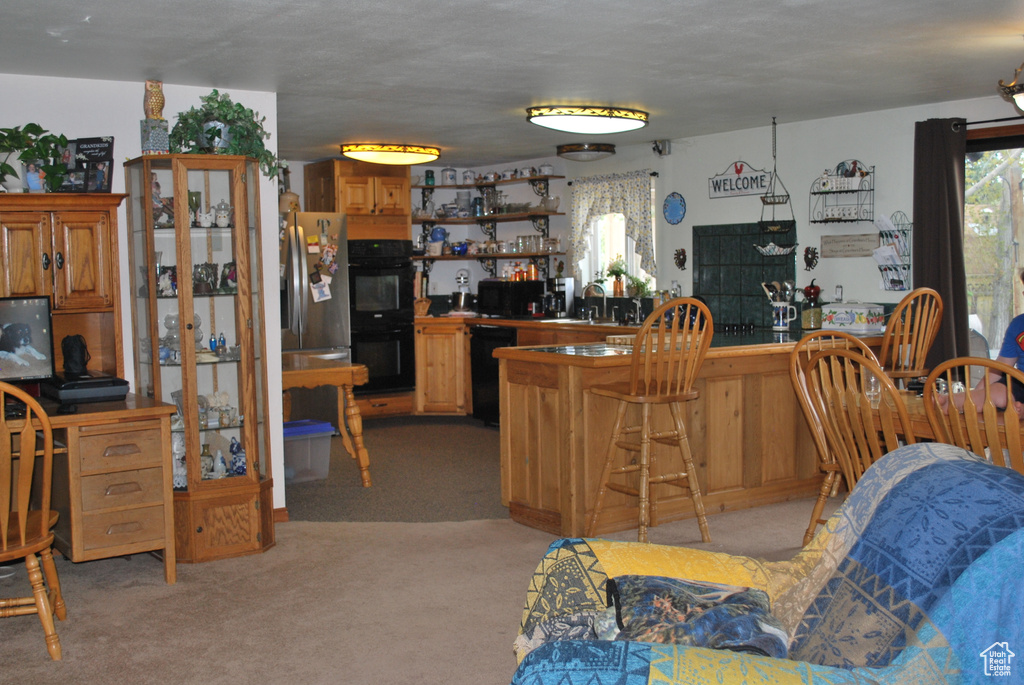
(674,208)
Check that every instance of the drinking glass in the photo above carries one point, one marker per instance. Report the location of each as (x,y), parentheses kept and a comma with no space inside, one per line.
(873,390)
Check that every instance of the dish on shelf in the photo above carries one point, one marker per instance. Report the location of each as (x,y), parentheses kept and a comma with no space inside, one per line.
(773,250)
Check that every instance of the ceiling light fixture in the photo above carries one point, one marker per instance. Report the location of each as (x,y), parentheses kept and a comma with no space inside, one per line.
(587,119)
(585,152)
(390,154)
(1013,91)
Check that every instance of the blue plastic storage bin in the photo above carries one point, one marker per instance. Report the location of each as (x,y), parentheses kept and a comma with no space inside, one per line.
(307,450)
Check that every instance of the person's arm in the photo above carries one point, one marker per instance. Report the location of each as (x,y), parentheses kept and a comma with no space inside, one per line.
(998,389)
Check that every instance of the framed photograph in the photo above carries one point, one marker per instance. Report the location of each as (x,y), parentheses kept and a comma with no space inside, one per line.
(33,174)
(94,156)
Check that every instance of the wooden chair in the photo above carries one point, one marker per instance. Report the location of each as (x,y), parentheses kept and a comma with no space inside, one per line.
(836,381)
(909,335)
(798,359)
(982,426)
(26,520)
(667,355)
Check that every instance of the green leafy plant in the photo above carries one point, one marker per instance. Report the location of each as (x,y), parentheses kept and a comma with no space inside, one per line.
(223,126)
(638,287)
(17,139)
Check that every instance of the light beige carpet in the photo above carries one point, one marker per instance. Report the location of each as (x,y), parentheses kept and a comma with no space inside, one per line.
(396,603)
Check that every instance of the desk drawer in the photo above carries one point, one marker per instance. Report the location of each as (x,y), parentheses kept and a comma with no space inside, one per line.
(122,489)
(121,449)
(123,527)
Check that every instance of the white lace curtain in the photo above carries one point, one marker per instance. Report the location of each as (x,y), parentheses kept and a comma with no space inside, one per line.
(628,194)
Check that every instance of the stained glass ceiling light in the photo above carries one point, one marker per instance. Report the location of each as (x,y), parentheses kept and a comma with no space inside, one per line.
(1013,91)
(390,154)
(587,120)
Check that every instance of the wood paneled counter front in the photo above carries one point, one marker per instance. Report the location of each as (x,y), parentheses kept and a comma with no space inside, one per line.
(748,435)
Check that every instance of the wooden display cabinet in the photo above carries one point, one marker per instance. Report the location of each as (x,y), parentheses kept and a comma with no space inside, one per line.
(64,246)
(375,197)
(442,367)
(195,278)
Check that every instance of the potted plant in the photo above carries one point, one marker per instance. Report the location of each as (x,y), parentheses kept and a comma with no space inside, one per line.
(13,141)
(638,287)
(223,126)
(617,269)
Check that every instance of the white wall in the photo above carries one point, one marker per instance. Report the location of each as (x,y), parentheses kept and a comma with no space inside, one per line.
(883,139)
(81,108)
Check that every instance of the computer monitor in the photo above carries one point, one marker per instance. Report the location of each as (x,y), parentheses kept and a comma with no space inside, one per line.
(26,339)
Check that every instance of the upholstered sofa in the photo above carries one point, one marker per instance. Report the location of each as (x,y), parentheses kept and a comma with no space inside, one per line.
(917,578)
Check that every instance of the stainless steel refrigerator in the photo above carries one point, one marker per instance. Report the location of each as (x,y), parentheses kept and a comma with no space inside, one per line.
(314,285)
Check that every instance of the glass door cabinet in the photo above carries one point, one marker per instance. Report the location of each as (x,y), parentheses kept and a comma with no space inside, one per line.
(194,246)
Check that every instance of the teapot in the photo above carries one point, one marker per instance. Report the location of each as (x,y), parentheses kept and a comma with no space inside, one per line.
(204,219)
(438,234)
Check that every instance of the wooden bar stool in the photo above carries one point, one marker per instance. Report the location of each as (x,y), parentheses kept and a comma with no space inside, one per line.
(667,356)
(909,335)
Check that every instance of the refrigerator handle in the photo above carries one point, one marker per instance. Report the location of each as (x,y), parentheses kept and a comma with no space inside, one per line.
(295,236)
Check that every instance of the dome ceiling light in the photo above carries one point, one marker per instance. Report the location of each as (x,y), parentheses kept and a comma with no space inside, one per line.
(587,119)
(585,152)
(390,154)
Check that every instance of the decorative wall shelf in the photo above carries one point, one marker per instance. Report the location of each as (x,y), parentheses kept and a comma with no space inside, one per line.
(843,195)
(897,276)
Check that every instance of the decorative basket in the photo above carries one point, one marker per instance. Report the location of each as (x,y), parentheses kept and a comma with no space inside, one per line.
(773,250)
(421,306)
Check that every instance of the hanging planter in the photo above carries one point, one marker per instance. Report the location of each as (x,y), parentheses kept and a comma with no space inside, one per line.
(776,196)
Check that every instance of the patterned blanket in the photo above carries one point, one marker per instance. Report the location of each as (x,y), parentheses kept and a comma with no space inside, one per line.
(914,580)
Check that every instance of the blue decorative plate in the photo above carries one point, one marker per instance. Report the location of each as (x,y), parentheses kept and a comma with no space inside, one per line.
(674,208)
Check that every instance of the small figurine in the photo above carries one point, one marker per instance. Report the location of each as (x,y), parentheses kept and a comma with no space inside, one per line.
(220,467)
(810,258)
(153,103)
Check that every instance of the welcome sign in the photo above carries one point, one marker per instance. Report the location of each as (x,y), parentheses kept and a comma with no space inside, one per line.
(739,178)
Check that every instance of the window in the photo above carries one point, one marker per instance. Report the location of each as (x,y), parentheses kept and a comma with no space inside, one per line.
(613,215)
(605,241)
(993,227)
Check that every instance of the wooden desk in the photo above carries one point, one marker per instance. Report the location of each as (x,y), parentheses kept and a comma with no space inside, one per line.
(307,371)
(112,480)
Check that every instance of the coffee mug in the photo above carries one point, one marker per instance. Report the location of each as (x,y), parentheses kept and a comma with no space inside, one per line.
(782,314)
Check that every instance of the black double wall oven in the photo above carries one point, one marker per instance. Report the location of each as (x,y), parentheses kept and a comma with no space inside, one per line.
(381,275)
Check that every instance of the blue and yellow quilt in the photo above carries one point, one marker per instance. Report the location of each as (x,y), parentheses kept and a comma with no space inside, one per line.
(915,579)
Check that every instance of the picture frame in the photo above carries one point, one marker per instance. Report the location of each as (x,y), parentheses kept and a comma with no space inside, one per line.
(94,156)
(32,174)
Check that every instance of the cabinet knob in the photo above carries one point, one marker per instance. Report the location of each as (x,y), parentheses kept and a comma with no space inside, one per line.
(46,261)
(188,326)
(59,260)
(199,529)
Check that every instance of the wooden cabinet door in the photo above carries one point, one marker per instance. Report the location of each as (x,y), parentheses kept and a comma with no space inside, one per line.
(81,260)
(440,369)
(25,254)
(357,196)
(392,195)
(319,187)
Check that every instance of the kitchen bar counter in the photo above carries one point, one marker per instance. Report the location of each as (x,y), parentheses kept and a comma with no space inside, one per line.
(749,438)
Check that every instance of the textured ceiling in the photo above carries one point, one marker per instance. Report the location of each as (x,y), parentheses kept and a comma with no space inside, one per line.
(459,74)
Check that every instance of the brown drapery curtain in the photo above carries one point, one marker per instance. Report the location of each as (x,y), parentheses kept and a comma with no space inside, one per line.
(938,238)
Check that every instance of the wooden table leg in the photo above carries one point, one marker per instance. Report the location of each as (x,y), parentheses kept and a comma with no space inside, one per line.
(354,421)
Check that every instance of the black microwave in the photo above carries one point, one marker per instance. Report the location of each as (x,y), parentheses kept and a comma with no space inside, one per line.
(509,299)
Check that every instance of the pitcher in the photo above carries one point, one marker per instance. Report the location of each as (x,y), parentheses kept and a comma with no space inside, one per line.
(782,314)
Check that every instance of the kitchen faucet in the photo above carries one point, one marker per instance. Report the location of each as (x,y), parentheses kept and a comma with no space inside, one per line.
(591,291)
(639,313)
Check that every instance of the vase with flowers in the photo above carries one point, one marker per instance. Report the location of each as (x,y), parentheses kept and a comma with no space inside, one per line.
(617,269)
